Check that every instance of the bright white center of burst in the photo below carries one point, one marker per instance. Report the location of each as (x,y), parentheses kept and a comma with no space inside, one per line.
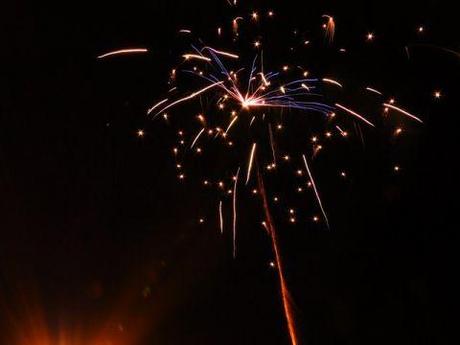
(245,103)
(250,102)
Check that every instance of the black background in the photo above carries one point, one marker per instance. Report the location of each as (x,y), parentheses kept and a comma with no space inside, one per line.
(92,215)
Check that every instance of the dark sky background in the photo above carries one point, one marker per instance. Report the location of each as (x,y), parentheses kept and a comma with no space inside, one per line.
(97,236)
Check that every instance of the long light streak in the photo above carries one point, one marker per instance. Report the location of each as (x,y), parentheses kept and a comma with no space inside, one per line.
(332,81)
(315,190)
(189,97)
(195,56)
(373,90)
(196,137)
(285,295)
(231,124)
(251,158)
(402,111)
(235,184)
(272,142)
(354,114)
(123,52)
(221,218)
(220,52)
(156,105)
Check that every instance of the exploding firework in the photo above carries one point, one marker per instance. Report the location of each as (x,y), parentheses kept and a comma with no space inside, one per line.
(247,114)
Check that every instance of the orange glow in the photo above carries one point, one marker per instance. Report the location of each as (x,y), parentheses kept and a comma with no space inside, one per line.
(285,295)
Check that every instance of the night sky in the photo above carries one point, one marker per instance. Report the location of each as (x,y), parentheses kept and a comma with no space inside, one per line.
(101,242)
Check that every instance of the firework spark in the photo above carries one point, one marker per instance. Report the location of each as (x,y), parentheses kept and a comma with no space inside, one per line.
(156,105)
(231,124)
(402,111)
(251,160)
(329,27)
(195,56)
(332,81)
(221,218)
(189,97)
(320,203)
(197,137)
(220,52)
(354,114)
(235,184)
(373,90)
(123,52)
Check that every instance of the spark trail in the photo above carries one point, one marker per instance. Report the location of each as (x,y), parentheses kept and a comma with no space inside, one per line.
(285,295)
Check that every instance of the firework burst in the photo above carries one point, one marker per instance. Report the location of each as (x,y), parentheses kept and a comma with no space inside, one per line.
(244,102)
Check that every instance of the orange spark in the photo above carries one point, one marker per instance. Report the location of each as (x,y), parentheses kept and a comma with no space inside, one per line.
(221,218)
(402,111)
(332,81)
(123,52)
(354,114)
(251,158)
(373,90)
(330,27)
(195,56)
